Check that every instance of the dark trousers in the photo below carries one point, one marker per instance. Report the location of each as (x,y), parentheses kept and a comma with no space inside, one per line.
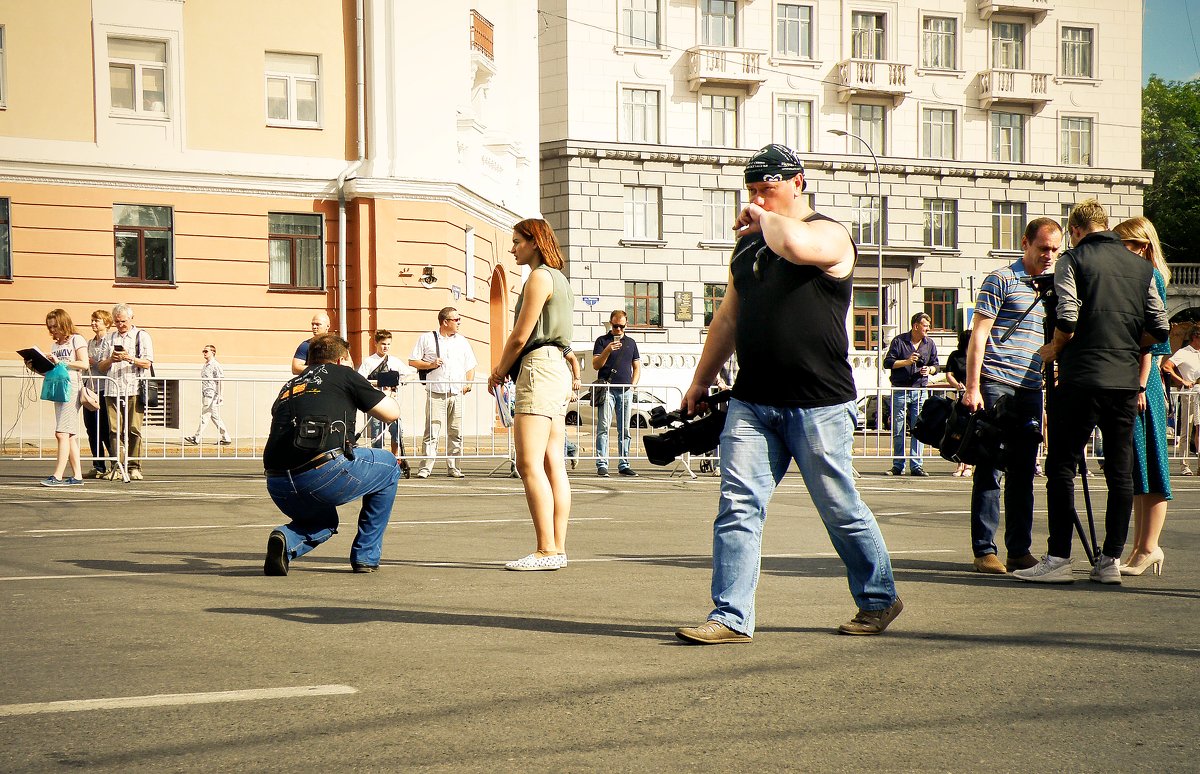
(96,424)
(1073,413)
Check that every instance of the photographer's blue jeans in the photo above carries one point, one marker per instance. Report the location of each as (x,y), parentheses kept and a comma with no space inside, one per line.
(757,446)
(310,500)
(1020,461)
(906,405)
(618,397)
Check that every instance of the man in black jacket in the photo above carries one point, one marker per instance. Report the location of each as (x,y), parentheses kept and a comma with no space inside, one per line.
(1107,311)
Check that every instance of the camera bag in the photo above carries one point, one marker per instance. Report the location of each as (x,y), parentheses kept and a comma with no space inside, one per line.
(930,426)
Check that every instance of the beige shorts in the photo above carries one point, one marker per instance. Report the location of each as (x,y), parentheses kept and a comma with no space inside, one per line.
(544,384)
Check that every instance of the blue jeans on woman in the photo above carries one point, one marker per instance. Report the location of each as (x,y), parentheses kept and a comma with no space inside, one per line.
(311,498)
(757,446)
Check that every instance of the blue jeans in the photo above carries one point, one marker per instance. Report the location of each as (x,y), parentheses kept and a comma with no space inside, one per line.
(906,405)
(1020,459)
(620,397)
(310,500)
(376,431)
(757,446)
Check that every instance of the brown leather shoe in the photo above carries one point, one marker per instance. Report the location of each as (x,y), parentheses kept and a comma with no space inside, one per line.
(1021,562)
(710,633)
(989,564)
(872,621)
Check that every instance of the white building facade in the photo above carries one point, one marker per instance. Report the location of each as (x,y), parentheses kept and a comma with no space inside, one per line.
(982,115)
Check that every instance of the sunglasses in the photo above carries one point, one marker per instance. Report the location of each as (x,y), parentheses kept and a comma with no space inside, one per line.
(453,319)
(618,327)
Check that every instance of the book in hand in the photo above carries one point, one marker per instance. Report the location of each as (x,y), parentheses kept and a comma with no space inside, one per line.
(37,359)
(506,393)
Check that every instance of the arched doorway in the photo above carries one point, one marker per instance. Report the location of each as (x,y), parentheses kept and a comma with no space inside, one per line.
(498,316)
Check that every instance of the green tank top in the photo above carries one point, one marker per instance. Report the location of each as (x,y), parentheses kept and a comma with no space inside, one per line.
(554,325)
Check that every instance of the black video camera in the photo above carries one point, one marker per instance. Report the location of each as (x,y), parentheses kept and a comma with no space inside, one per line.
(698,434)
(1042,284)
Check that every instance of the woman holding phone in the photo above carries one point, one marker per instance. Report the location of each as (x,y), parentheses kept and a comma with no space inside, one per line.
(540,335)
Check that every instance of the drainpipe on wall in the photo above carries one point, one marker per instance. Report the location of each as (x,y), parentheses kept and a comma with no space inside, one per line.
(359,37)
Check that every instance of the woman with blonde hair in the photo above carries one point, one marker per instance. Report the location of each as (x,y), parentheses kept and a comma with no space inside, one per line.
(71,350)
(534,352)
(1151,474)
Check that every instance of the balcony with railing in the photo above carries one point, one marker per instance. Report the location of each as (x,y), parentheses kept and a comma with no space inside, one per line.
(725,66)
(1036,8)
(1013,87)
(482,33)
(872,77)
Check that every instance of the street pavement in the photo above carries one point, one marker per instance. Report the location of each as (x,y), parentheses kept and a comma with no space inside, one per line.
(141,635)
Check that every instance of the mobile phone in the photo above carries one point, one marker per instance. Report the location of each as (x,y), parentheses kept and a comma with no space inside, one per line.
(118,348)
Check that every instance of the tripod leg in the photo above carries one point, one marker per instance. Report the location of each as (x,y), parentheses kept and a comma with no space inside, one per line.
(1089,549)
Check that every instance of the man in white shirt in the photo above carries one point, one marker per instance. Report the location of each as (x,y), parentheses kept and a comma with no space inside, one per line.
(447,358)
(130,355)
(1183,368)
(373,367)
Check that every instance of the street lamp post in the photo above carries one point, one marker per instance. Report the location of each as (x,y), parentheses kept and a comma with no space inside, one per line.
(879,279)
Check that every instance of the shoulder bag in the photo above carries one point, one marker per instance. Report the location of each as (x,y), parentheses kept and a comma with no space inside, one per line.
(147,388)
(423,373)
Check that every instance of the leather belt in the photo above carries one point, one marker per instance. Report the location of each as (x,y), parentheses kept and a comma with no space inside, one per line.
(315,462)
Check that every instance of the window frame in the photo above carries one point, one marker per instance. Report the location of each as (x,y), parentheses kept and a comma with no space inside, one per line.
(291,79)
(878,34)
(810,43)
(3,66)
(625,131)
(140,232)
(718,228)
(1092,50)
(1021,43)
(1016,219)
(944,237)
(293,263)
(731,27)
(804,127)
(994,129)
(637,305)
(1063,141)
(955,43)
(646,217)
(6,255)
(713,300)
(857,227)
(138,67)
(879,146)
(707,115)
(625,13)
(944,307)
(928,129)
(865,320)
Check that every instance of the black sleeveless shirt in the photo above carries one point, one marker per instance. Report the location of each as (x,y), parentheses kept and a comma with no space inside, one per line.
(791,342)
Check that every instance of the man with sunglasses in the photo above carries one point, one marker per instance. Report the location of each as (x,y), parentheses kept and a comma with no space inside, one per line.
(784,314)
(447,356)
(617,362)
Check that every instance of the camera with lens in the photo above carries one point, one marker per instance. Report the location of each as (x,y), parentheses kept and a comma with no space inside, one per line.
(697,434)
(1042,284)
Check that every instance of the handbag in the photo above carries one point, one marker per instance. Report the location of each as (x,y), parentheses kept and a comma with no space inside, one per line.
(423,373)
(147,389)
(89,398)
(56,385)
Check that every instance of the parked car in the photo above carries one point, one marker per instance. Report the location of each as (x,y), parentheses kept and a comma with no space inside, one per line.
(642,403)
(866,409)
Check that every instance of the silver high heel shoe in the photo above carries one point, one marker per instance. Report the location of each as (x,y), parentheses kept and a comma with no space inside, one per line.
(1153,560)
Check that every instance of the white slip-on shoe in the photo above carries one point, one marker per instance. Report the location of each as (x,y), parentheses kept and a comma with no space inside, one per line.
(535,562)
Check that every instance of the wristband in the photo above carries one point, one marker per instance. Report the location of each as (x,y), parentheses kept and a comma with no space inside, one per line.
(1142,388)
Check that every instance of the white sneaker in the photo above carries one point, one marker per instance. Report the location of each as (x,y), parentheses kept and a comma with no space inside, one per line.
(1106,570)
(135,474)
(535,562)
(1051,569)
(422,473)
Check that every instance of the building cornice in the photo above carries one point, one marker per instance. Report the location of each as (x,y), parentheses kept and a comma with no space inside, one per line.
(971,170)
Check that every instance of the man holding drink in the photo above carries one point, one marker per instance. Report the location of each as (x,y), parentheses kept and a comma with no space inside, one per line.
(617,362)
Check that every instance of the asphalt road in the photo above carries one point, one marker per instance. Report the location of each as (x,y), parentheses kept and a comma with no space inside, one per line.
(443,661)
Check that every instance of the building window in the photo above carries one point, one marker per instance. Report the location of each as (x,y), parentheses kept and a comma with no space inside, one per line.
(5,242)
(941,304)
(1008,46)
(941,223)
(867,35)
(295,251)
(1077,141)
(714,294)
(866,319)
(718,121)
(937,127)
(794,124)
(717,18)
(3,77)
(939,43)
(642,209)
(639,115)
(639,23)
(1077,52)
(867,227)
(137,76)
(643,303)
(720,208)
(292,89)
(1008,137)
(1066,235)
(483,35)
(142,237)
(1008,223)
(867,122)
(793,30)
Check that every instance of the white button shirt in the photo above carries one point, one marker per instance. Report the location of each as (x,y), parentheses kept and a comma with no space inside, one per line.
(457,359)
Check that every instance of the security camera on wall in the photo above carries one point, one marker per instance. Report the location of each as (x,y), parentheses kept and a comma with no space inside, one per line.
(427,278)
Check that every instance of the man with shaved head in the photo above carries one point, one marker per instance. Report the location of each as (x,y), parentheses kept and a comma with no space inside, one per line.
(320,326)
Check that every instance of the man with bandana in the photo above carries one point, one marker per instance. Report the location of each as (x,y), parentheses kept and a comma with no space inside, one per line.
(793,399)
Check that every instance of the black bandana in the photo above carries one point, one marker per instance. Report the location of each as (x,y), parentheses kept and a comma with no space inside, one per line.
(774,163)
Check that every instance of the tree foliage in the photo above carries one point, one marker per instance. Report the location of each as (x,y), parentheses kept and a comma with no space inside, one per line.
(1171,147)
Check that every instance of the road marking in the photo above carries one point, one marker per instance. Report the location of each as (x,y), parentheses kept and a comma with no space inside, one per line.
(174,699)
(73,530)
(603,559)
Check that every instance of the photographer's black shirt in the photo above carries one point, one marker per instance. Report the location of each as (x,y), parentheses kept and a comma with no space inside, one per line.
(323,390)
(791,343)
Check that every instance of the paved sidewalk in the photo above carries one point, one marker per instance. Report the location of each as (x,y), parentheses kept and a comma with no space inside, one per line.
(443,661)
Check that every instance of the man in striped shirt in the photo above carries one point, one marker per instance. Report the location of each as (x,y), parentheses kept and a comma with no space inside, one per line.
(1012,368)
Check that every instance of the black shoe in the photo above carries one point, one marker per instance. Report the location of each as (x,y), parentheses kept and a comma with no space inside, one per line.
(628,472)
(894,472)
(277,559)
(919,473)
(602,472)
(364,567)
